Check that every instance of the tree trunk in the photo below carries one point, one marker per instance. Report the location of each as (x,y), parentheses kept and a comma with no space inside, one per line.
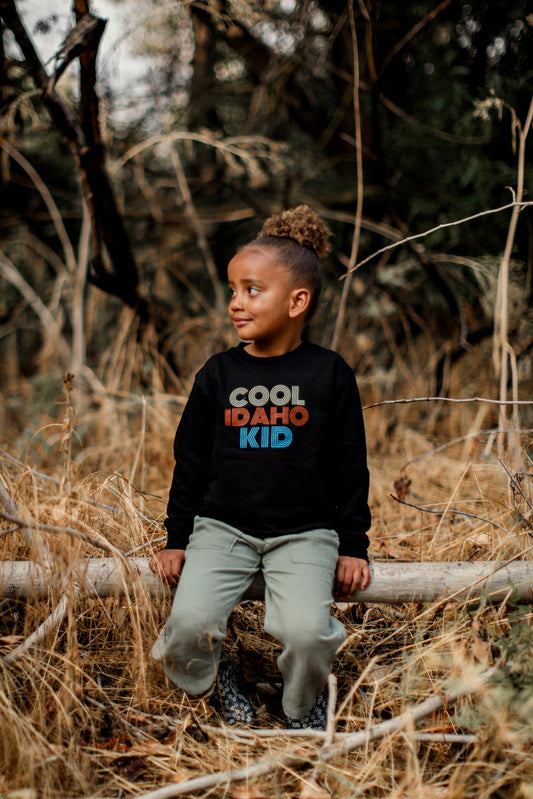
(392,583)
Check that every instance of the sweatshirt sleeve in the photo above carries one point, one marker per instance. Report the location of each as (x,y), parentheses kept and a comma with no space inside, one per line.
(193,446)
(349,475)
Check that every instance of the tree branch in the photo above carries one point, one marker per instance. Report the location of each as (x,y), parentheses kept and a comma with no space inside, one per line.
(408,400)
(447,511)
(87,148)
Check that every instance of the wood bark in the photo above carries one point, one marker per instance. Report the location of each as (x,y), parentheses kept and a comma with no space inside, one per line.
(392,583)
(202,111)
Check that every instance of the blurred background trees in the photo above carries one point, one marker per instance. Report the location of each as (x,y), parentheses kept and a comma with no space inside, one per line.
(245,108)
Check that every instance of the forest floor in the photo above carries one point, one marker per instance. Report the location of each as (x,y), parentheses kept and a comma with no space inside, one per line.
(84,711)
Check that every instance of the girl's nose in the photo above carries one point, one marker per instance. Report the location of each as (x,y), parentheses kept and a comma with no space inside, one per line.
(235,301)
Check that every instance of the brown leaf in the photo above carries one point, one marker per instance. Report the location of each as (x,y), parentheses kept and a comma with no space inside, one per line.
(180,775)
(310,790)
(247,792)
(402,486)
(131,767)
(478,540)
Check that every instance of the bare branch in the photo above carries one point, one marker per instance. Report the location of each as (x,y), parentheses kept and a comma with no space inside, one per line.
(52,528)
(514,204)
(265,732)
(408,400)
(48,200)
(439,134)
(49,325)
(447,511)
(49,625)
(410,34)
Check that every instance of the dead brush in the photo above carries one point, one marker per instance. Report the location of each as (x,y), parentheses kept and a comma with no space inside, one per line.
(84,711)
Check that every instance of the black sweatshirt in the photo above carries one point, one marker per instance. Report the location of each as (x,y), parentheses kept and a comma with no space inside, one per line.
(272,446)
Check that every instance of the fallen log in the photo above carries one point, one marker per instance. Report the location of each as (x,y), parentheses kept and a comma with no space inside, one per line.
(391,583)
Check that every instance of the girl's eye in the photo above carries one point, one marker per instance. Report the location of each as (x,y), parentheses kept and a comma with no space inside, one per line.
(252,291)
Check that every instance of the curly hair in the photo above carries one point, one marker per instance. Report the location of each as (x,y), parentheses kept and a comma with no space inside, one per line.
(299,238)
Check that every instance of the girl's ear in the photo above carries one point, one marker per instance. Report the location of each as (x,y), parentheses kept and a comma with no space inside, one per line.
(300,300)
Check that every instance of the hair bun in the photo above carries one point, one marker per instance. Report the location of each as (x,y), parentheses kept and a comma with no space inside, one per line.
(301,224)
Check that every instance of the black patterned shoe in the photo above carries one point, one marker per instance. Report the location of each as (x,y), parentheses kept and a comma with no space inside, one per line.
(228,698)
(314,719)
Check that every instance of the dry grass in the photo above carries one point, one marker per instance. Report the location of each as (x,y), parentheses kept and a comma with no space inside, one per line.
(85,712)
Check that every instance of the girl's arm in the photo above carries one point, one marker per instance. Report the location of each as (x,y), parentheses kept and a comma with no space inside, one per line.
(349,478)
(193,447)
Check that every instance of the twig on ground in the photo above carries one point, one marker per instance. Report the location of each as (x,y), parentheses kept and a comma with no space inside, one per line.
(445,737)
(332,702)
(348,744)
(267,733)
(57,616)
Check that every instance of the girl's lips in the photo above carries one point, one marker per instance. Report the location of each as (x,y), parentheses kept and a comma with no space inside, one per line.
(240,322)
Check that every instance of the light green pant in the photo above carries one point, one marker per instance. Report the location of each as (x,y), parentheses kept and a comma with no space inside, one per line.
(220,565)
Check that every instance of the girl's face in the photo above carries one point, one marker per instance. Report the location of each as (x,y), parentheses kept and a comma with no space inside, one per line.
(266,307)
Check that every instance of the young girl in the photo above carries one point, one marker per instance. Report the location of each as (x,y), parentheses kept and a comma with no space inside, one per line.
(270,475)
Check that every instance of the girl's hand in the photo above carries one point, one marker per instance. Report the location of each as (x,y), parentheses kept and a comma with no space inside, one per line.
(351,574)
(167,564)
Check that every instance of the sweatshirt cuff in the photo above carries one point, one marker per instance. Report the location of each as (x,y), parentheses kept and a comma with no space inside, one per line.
(177,539)
(354,545)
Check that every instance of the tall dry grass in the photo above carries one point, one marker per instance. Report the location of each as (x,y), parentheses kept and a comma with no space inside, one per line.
(84,711)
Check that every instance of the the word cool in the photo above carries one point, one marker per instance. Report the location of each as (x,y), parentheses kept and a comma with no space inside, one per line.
(268,427)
